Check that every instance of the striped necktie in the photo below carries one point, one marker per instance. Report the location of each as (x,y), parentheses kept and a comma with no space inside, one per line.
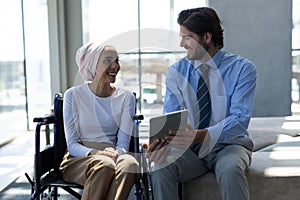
(204,97)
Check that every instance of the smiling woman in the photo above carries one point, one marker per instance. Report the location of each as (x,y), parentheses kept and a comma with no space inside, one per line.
(98,124)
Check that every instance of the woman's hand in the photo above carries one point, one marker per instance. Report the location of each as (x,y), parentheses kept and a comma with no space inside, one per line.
(108,151)
(111,152)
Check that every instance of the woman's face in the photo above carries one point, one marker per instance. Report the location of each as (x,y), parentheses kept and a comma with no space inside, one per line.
(108,65)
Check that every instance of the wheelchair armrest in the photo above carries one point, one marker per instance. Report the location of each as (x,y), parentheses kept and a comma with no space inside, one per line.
(138,117)
(49,119)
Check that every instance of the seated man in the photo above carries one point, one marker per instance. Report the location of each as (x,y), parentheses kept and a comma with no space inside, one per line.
(217,88)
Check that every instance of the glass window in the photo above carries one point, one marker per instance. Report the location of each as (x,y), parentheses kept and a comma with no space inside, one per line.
(24,68)
(296,51)
(296,23)
(147,39)
(12,79)
(37,58)
(105,19)
(154,16)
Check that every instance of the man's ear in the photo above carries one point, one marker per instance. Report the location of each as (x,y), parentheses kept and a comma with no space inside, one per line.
(207,37)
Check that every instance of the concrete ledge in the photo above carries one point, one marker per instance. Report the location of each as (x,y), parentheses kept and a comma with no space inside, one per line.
(273,174)
(262,140)
(205,187)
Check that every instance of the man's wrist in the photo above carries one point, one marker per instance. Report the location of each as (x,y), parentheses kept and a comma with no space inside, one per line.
(202,135)
(92,152)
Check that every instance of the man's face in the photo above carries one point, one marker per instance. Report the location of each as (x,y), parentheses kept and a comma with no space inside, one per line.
(196,48)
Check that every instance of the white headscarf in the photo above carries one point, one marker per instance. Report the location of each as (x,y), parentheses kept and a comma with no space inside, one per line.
(87,58)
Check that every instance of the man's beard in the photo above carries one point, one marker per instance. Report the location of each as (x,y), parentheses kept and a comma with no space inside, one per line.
(198,53)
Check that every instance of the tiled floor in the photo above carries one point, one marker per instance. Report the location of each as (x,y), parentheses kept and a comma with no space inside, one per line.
(16,158)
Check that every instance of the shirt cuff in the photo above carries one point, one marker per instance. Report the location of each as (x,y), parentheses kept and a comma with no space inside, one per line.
(215,132)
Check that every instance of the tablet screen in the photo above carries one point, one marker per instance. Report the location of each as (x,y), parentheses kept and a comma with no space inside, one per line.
(159,125)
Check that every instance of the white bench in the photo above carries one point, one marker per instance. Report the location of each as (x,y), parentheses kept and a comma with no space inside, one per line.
(274,172)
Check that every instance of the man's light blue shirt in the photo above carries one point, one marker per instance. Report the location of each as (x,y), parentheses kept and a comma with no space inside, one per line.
(232,82)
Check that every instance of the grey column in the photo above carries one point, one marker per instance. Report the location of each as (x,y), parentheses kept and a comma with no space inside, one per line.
(65,36)
(261,31)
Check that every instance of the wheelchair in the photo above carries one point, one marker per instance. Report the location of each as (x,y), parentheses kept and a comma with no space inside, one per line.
(47,177)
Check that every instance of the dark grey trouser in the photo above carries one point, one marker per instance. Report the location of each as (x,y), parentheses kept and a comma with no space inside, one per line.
(229,162)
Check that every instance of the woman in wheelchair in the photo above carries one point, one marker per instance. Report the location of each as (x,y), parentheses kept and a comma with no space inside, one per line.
(98,119)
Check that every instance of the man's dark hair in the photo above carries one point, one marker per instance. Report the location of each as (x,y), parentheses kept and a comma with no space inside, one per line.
(202,20)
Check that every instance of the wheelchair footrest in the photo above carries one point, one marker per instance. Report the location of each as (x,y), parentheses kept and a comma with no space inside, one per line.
(52,179)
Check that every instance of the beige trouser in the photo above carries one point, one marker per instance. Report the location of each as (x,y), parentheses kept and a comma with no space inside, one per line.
(101,177)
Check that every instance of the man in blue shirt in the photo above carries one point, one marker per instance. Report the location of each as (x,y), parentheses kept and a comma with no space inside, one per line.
(223,145)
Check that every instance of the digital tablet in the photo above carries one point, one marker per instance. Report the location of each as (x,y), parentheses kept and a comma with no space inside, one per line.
(159,125)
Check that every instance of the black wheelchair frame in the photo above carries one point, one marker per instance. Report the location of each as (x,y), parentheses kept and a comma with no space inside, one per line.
(46,174)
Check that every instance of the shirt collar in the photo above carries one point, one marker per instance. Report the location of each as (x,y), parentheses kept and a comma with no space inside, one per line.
(213,62)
